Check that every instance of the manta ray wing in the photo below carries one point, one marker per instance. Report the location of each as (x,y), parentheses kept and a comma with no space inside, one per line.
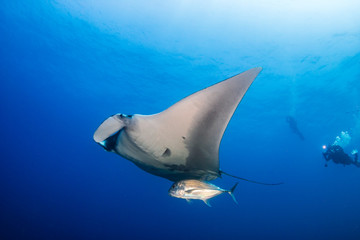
(203,117)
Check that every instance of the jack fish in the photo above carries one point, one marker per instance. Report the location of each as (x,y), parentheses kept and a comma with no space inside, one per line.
(196,189)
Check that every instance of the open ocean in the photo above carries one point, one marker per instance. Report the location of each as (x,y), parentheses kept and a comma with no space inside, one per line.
(65,66)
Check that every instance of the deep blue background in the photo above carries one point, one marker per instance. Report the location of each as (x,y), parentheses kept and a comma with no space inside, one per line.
(65,66)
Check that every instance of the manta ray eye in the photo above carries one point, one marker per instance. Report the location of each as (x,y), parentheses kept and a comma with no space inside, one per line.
(118,116)
(121,115)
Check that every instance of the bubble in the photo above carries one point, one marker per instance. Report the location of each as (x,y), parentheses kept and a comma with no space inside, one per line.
(343,140)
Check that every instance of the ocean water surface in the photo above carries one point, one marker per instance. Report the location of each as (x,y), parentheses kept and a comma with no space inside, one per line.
(65,66)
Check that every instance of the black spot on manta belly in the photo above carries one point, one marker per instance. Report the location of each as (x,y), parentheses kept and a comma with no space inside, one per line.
(167,153)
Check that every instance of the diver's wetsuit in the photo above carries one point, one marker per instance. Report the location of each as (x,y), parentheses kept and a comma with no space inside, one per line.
(337,154)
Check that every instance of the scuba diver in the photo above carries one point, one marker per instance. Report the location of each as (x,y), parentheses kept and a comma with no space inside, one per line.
(292,124)
(336,152)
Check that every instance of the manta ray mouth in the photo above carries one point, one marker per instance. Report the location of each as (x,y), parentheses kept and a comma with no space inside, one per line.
(110,143)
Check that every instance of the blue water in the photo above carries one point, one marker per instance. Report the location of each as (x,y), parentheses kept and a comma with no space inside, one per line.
(65,66)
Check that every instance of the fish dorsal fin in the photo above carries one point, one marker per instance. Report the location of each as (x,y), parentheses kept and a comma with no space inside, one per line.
(190,131)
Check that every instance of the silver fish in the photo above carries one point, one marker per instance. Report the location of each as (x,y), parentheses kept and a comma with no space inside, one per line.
(195,189)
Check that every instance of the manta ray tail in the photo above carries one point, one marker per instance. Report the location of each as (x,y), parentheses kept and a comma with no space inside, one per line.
(244,179)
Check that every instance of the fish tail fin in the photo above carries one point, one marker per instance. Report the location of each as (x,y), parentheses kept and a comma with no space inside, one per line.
(231,192)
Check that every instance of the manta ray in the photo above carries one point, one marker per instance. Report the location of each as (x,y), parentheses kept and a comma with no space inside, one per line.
(181,142)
